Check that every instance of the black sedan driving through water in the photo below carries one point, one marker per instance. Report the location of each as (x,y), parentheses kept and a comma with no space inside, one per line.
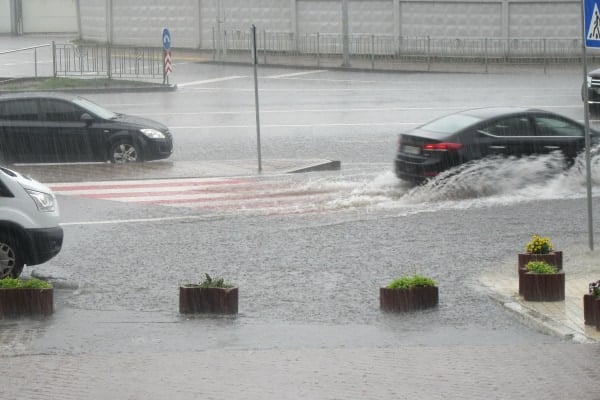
(474,134)
(54,127)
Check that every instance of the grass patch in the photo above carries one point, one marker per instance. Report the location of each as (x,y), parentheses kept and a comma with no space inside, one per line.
(70,83)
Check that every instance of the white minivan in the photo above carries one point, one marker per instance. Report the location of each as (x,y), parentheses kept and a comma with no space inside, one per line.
(29,223)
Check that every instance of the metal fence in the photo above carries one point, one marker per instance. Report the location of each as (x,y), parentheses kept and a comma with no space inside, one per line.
(389,52)
(107,61)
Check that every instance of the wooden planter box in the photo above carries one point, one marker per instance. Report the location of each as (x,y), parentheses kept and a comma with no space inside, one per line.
(590,310)
(24,301)
(596,312)
(195,299)
(553,258)
(416,298)
(544,287)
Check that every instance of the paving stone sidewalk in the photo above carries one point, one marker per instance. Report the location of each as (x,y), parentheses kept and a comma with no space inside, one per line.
(564,318)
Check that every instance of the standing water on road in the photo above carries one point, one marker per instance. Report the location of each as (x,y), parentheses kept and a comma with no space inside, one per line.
(490,181)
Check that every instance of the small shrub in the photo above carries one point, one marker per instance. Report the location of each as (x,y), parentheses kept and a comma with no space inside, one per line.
(539,245)
(540,267)
(215,283)
(407,282)
(595,288)
(16,283)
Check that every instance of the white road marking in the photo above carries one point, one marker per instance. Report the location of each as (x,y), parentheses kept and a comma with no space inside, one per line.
(283,76)
(193,83)
(215,195)
(293,125)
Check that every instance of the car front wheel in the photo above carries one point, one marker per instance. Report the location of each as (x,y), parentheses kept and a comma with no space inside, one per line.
(11,259)
(124,151)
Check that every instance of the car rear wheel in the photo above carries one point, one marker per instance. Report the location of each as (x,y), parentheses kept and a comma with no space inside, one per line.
(124,151)
(11,259)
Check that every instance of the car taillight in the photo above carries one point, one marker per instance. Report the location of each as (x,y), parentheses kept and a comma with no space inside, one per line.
(444,146)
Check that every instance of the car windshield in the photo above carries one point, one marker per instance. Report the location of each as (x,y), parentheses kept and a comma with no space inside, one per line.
(450,124)
(94,108)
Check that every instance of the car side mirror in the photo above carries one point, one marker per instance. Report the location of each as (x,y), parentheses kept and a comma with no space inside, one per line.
(87,118)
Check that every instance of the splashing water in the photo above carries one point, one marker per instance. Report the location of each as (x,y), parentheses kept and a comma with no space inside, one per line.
(494,180)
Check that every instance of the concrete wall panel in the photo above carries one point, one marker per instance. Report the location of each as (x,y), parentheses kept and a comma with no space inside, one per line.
(93,20)
(41,16)
(323,16)
(451,19)
(5,26)
(374,17)
(269,15)
(140,22)
(539,20)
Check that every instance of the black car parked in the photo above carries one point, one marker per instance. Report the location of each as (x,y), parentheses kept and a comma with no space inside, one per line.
(56,127)
(474,134)
(593,87)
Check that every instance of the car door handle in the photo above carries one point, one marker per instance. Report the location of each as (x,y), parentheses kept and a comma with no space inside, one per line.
(552,147)
(498,147)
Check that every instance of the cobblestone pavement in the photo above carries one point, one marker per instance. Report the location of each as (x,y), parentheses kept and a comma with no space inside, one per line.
(537,372)
(564,318)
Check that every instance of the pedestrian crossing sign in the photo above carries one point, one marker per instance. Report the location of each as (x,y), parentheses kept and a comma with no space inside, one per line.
(591,23)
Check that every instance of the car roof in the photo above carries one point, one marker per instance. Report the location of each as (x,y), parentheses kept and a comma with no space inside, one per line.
(492,112)
(36,95)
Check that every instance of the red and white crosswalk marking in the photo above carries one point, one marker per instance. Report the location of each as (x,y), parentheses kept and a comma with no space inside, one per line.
(230,194)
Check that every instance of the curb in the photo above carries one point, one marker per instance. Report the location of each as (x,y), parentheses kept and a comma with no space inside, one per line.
(538,321)
(330,165)
(151,87)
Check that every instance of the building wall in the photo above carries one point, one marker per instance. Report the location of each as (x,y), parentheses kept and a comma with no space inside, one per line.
(140,22)
(93,20)
(5,26)
(43,16)
(451,19)
(204,23)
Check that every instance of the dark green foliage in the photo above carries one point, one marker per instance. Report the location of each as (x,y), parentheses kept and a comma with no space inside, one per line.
(410,282)
(540,267)
(215,283)
(16,283)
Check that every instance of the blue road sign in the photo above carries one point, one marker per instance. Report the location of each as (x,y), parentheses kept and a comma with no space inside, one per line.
(166,38)
(591,23)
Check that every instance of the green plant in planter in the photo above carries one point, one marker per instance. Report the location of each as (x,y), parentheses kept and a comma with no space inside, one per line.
(540,267)
(407,282)
(211,296)
(539,245)
(16,283)
(215,283)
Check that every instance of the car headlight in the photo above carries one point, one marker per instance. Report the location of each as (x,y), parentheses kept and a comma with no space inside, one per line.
(152,133)
(589,81)
(43,201)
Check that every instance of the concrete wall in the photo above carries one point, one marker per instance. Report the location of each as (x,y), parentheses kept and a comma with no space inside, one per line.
(205,23)
(38,16)
(42,16)
(5,26)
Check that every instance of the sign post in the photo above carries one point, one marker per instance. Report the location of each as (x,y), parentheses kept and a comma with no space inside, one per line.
(591,38)
(166,39)
(255,62)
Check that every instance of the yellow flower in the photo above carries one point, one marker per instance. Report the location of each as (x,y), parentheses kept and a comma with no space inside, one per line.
(539,245)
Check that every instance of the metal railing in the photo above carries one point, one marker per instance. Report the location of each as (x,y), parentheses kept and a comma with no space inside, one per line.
(383,51)
(26,49)
(108,61)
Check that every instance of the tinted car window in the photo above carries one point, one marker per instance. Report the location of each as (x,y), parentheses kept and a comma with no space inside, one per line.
(548,126)
(513,126)
(20,110)
(53,110)
(450,124)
